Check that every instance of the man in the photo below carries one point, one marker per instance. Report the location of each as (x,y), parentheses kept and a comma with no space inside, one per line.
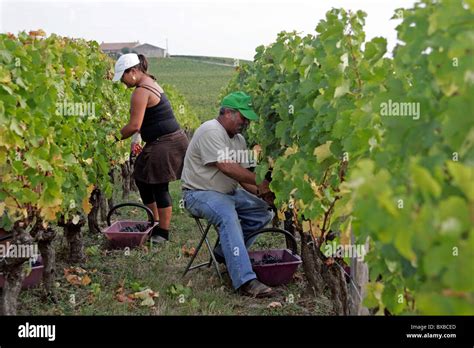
(213,169)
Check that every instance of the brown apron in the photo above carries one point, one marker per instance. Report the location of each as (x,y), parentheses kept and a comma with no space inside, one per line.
(161,161)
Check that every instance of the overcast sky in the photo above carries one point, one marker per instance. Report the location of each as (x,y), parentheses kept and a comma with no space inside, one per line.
(225,28)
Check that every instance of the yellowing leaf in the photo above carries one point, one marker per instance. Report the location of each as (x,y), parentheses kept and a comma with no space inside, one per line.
(291,150)
(86,206)
(323,151)
(147,296)
(5,76)
(39,32)
(316,189)
(10,203)
(148,302)
(275,305)
(144,294)
(73,279)
(281,215)
(86,280)
(79,270)
(346,233)
(49,213)
(188,251)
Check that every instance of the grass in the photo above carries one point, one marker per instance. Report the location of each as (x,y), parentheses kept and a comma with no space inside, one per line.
(160,268)
(200,82)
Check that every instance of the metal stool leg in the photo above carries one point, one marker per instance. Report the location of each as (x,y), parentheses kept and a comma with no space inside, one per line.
(203,239)
(214,261)
(215,246)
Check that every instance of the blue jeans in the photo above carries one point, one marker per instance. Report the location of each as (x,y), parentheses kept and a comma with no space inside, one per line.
(235,215)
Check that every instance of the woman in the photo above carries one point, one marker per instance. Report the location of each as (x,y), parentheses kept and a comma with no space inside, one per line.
(161,160)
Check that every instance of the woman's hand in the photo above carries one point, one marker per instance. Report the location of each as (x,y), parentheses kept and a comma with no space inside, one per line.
(135,149)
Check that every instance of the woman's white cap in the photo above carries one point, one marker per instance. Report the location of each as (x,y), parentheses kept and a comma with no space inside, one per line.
(123,63)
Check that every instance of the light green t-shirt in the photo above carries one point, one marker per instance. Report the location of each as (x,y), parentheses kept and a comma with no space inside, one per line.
(211,143)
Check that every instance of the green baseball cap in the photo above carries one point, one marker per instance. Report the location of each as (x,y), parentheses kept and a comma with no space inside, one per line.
(242,102)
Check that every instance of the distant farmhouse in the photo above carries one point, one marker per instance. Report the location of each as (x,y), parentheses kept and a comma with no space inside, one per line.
(117,49)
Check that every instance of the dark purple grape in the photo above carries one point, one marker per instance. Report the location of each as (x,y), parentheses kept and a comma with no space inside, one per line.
(267,259)
(136,228)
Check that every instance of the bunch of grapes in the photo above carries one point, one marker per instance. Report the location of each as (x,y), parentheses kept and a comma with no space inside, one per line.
(136,228)
(267,259)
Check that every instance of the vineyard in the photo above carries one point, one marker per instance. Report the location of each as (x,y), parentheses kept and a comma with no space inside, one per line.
(376,151)
(59,160)
(370,152)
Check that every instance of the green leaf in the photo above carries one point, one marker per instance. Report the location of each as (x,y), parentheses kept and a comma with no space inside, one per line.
(425,181)
(342,89)
(375,49)
(44,165)
(6,56)
(437,259)
(463,177)
(454,216)
(15,126)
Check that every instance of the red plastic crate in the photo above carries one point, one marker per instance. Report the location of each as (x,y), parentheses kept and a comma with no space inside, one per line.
(119,239)
(33,279)
(276,273)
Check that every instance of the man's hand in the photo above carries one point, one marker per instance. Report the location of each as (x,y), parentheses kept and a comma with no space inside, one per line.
(264,192)
(263,188)
(269,197)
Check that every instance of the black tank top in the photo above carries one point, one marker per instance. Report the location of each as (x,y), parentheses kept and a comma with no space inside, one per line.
(159,119)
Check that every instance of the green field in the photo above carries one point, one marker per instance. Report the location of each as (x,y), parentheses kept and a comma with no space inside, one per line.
(199,80)
(219,60)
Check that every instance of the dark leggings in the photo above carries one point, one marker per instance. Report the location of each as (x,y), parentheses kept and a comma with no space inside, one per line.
(158,193)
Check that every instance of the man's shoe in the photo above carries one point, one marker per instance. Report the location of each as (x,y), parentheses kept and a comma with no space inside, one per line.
(256,289)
